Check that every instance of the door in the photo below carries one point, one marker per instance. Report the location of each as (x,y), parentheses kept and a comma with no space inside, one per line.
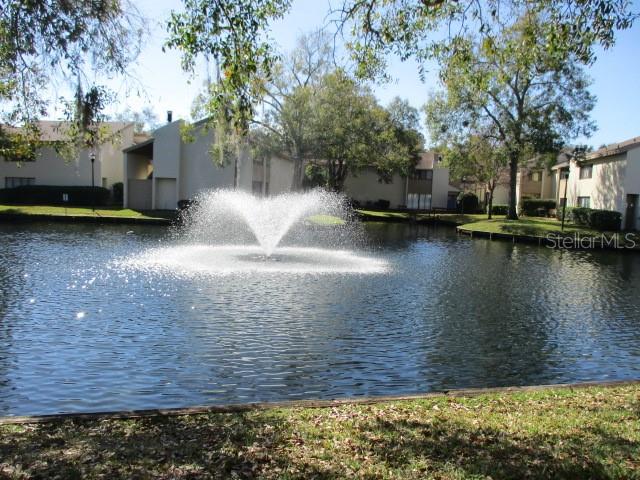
(631,213)
(452,201)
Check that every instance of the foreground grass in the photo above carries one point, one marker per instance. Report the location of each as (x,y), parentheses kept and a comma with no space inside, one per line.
(74,211)
(582,433)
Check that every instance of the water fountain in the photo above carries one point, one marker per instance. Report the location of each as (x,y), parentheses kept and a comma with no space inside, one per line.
(220,232)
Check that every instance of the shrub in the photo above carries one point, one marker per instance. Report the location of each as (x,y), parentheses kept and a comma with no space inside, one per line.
(53,195)
(580,216)
(118,192)
(499,209)
(592,218)
(382,204)
(605,220)
(537,207)
(567,216)
(467,202)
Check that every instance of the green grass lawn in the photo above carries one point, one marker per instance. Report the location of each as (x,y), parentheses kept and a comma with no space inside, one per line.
(325,220)
(560,433)
(75,211)
(382,214)
(530,226)
(453,218)
(461,219)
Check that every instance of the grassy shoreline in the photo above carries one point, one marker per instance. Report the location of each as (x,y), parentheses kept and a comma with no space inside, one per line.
(61,211)
(589,432)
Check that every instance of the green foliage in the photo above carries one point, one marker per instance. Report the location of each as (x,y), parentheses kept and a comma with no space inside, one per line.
(19,145)
(499,209)
(423,29)
(315,176)
(55,40)
(233,35)
(468,202)
(351,132)
(118,192)
(53,195)
(508,86)
(567,213)
(84,128)
(606,220)
(477,159)
(537,207)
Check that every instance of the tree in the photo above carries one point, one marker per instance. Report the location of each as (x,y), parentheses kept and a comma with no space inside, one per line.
(480,160)
(285,96)
(235,33)
(55,41)
(531,99)
(351,132)
(144,120)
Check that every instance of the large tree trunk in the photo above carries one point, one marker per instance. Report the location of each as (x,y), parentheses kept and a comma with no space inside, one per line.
(336,175)
(298,174)
(513,172)
(490,203)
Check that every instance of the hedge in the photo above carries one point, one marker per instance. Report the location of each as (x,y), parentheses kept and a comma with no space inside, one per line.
(467,202)
(499,209)
(53,195)
(537,207)
(592,218)
(118,192)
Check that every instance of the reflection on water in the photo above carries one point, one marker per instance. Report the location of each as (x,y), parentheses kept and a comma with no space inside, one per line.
(81,331)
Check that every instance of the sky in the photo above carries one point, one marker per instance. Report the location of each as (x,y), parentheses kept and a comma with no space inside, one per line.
(161,83)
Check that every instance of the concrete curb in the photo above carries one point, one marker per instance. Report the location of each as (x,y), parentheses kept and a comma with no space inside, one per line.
(247,407)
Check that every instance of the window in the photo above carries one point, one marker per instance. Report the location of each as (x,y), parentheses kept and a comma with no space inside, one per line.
(11,182)
(535,176)
(584,202)
(419,201)
(422,175)
(586,171)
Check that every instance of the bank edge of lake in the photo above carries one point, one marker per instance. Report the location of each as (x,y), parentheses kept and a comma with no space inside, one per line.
(71,218)
(579,431)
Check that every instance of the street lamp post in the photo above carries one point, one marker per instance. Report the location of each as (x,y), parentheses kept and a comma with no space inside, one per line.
(92,157)
(564,204)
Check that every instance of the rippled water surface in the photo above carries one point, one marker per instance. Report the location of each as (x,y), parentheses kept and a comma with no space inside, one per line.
(83,327)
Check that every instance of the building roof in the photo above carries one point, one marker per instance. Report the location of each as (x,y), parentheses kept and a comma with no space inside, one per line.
(54,130)
(140,147)
(614,149)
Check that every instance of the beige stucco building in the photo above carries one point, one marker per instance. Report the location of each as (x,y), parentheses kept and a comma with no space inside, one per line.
(166,169)
(532,181)
(428,188)
(607,179)
(50,168)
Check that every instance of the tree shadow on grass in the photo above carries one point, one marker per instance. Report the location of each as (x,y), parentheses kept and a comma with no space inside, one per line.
(455,446)
(199,446)
(367,442)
